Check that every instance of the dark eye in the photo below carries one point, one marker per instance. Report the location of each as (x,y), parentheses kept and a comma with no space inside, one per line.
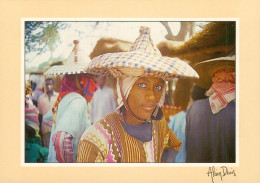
(142,85)
(158,87)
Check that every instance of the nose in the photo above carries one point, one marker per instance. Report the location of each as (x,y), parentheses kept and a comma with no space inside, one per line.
(150,95)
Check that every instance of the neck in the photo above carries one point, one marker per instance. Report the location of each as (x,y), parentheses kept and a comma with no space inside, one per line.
(49,93)
(131,119)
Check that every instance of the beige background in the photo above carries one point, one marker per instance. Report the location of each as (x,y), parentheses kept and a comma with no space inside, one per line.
(11,12)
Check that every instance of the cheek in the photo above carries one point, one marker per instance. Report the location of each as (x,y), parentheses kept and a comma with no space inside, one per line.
(158,95)
(137,97)
(135,100)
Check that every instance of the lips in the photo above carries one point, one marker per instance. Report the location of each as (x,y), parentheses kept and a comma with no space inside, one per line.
(148,107)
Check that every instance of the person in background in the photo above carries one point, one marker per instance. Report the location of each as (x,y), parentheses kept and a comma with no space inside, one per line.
(178,122)
(103,101)
(34,152)
(37,92)
(70,111)
(45,103)
(211,122)
(31,111)
(136,132)
(198,93)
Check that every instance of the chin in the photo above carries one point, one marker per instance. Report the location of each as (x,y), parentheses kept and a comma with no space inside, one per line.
(145,116)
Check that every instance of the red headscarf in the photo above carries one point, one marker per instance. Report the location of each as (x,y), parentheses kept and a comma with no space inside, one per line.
(69,85)
(222,91)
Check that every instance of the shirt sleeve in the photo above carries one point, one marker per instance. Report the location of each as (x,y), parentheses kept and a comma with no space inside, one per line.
(40,105)
(63,146)
(170,140)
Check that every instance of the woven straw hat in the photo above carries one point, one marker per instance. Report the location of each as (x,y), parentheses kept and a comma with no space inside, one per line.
(74,64)
(143,59)
(208,68)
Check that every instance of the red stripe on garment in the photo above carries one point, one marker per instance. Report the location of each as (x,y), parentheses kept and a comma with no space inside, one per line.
(223,89)
(68,148)
(57,147)
(221,99)
(63,146)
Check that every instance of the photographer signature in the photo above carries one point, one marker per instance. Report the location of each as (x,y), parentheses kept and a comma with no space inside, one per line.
(224,171)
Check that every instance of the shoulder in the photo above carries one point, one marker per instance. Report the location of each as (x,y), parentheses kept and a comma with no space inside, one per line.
(41,99)
(199,106)
(111,118)
(200,102)
(41,96)
(110,122)
(179,115)
(161,125)
(73,100)
(74,97)
(231,104)
(178,118)
(99,134)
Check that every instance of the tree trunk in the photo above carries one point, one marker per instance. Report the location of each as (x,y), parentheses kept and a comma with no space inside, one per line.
(186,27)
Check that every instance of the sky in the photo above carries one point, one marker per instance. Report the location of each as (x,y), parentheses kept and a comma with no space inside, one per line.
(88,36)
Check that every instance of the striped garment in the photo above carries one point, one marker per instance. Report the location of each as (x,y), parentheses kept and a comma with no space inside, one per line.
(63,146)
(31,117)
(107,141)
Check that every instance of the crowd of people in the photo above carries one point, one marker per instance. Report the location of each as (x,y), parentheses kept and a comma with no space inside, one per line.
(86,122)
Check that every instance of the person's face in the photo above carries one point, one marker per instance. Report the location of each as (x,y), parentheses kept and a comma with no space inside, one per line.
(144,96)
(101,81)
(49,85)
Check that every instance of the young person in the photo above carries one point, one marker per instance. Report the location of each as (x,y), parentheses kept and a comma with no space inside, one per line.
(136,132)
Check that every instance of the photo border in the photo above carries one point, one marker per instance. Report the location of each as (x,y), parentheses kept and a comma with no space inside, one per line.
(23,164)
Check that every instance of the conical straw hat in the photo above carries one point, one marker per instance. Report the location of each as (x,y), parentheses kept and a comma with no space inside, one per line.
(207,69)
(143,59)
(74,64)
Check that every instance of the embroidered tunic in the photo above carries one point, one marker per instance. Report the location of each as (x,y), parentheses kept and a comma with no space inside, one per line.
(107,141)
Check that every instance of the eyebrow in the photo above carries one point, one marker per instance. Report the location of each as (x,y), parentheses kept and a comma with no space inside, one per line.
(144,79)
(162,81)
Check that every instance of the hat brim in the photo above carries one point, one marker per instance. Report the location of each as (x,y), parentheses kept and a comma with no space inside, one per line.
(140,64)
(207,69)
(65,69)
